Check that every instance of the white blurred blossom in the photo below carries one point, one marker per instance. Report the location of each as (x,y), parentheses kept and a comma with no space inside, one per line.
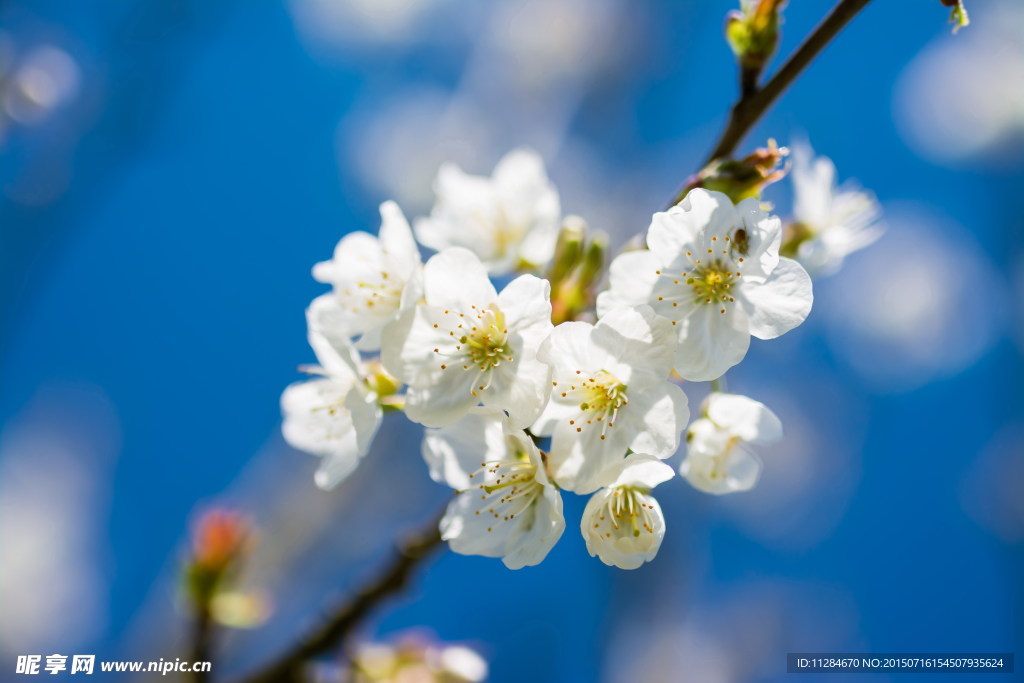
(509,220)
(829,222)
(963,95)
(56,457)
(336,23)
(34,82)
(925,306)
(415,660)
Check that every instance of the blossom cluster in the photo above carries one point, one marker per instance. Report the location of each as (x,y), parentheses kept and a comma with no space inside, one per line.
(519,410)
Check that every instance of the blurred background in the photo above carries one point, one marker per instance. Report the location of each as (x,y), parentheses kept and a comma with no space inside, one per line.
(170,171)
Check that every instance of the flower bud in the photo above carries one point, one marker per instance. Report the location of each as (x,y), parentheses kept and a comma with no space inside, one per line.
(574,293)
(743,178)
(593,261)
(219,539)
(219,542)
(753,34)
(568,249)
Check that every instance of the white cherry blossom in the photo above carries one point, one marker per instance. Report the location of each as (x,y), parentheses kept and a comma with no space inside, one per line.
(718,459)
(334,416)
(373,278)
(831,222)
(506,506)
(467,344)
(713,269)
(610,393)
(623,524)
(507,220)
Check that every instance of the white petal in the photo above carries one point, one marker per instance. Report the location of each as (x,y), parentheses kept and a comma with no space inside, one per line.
(744,417)
(704,437)
(316,419)
(779,304)
(711,342)
(326,317)
(529,200)
(555,411)
(691,223)
(456,279)
(521,388)
(813,182)
(526,302)
(437,396)
(739,471)
(393,341)
(462,216)
(469,533)
(568,346)
(337,357)
(538,531)
(332,420)
(622,551)
(638,338)
(578,458)
(357,249)
(638,469)
(665,412)
(444,400)
(764,237)
(454,452)
(396,239)
(631,279)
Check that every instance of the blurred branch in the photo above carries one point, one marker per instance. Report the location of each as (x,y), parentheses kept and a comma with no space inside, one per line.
(390,580)
(202,637)
(753,104)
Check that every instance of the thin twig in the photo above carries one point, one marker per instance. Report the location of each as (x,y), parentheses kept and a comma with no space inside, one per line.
(393,578)
(754,103)
(752,107)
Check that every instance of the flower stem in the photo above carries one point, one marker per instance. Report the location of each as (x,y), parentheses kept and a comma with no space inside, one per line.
(393,577)
(754,102)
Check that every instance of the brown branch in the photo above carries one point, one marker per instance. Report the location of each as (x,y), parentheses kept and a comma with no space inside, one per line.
(393,578)
(752,107)
(753,104)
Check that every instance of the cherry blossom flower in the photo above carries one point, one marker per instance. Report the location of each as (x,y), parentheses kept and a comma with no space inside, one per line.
(713,269)
(610,393)
(623,524)
(334,416)
(717,458)
(829,222)
(506,506)
(373,278)
(467,344)
(508,220)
